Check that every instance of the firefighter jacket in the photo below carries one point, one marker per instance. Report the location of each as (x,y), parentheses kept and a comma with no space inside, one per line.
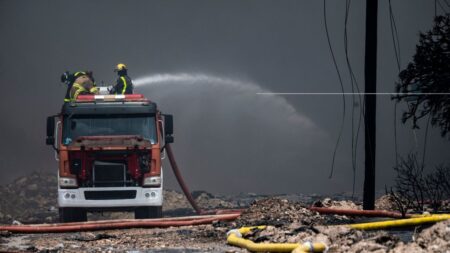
(82,85)
(123,85)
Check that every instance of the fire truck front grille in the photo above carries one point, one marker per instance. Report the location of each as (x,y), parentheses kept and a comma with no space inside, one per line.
(107,174)
(104,195)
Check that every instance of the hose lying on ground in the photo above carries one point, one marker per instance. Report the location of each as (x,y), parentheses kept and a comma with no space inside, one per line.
(234,237)
(182,218)
(207,216)
(366,213)
(401,223)
(118,224)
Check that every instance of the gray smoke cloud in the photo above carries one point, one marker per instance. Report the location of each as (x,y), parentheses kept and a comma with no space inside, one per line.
(204,62)
(239,140)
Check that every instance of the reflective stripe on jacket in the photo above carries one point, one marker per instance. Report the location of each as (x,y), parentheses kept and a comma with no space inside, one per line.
(123,86)
(79,89)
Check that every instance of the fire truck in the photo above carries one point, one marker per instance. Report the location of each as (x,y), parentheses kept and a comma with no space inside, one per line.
(109,150)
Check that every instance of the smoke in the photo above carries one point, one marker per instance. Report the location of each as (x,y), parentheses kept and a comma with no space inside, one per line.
(199,81)
(228,139)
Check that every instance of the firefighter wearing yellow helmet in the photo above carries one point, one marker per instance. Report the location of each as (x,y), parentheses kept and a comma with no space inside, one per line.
(123,83)
(78,83)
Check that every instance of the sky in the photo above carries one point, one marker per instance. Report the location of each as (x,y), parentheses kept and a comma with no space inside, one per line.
(204,62)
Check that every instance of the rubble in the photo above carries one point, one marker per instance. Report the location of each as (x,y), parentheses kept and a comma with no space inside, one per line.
(33,199)
(337,204)
(435,238)
(29,199)
(287,221)
(385,202)
(282,212)
(208,201)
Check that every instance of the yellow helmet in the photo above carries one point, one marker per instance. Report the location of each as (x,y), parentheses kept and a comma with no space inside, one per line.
(120,67)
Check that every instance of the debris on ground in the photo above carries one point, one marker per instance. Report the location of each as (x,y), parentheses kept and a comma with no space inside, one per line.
(33,199)
(337,204)
(435,238)
(30,199)
(282,212)
(88,237)
(287,220)
(385,202)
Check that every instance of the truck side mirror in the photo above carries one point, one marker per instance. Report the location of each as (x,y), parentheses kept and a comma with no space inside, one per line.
(168,128)
(50,140)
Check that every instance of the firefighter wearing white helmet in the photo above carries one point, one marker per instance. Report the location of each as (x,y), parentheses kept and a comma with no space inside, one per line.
(123,83)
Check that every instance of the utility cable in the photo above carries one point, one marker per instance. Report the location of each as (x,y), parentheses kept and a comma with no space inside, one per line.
(395,134)
(354,83)
(435,8)
(396,44)
(425,141)
(395,37)
(342,87)
(446,3)
(442,7)
(347,7)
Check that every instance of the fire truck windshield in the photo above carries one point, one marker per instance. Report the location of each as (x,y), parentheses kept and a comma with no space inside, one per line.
(97,125)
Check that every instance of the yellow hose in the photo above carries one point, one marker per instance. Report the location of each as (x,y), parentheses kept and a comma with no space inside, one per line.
(401,222)
(235,238)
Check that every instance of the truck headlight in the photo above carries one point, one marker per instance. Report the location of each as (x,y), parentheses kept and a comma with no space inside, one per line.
(67,182)
(152,181)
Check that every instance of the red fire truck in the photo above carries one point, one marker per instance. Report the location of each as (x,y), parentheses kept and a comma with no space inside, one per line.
(109,150)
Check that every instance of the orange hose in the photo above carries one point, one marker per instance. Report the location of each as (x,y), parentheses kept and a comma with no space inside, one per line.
(184,218)
(187,193)
(352,212)
(180,180)
(103,225)
(215,215)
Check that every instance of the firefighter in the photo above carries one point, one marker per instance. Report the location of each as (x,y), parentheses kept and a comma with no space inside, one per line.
(123,83)
(78,83)
(67,79)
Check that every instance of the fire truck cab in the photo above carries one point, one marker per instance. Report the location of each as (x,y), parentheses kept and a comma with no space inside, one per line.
(109,150)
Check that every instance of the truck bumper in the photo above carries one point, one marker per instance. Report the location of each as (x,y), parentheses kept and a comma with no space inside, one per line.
(110,197)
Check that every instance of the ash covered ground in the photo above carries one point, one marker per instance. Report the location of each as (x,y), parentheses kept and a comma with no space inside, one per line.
(32,199)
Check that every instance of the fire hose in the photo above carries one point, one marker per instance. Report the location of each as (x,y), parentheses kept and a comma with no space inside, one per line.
(321,210)
(219,215)
(366,213)
(180,180)
(205,218)
(187,193)
(235,238)
(117,224)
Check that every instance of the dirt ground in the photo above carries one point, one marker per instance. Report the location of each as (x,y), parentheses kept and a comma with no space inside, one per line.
(203,238)
(287,220)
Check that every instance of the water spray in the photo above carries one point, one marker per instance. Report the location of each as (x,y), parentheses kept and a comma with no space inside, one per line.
(244,87)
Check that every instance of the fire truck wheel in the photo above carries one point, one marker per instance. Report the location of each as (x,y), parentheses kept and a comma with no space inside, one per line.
(69,214)
(146,212)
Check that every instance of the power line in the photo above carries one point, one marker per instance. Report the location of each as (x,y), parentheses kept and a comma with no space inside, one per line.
(395,37)
(347,8)
(396,44)
(425,140)
(446,3)
(356,93)
(442,7)
(341,83)
(395,135)
(354,84)
(435,8)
